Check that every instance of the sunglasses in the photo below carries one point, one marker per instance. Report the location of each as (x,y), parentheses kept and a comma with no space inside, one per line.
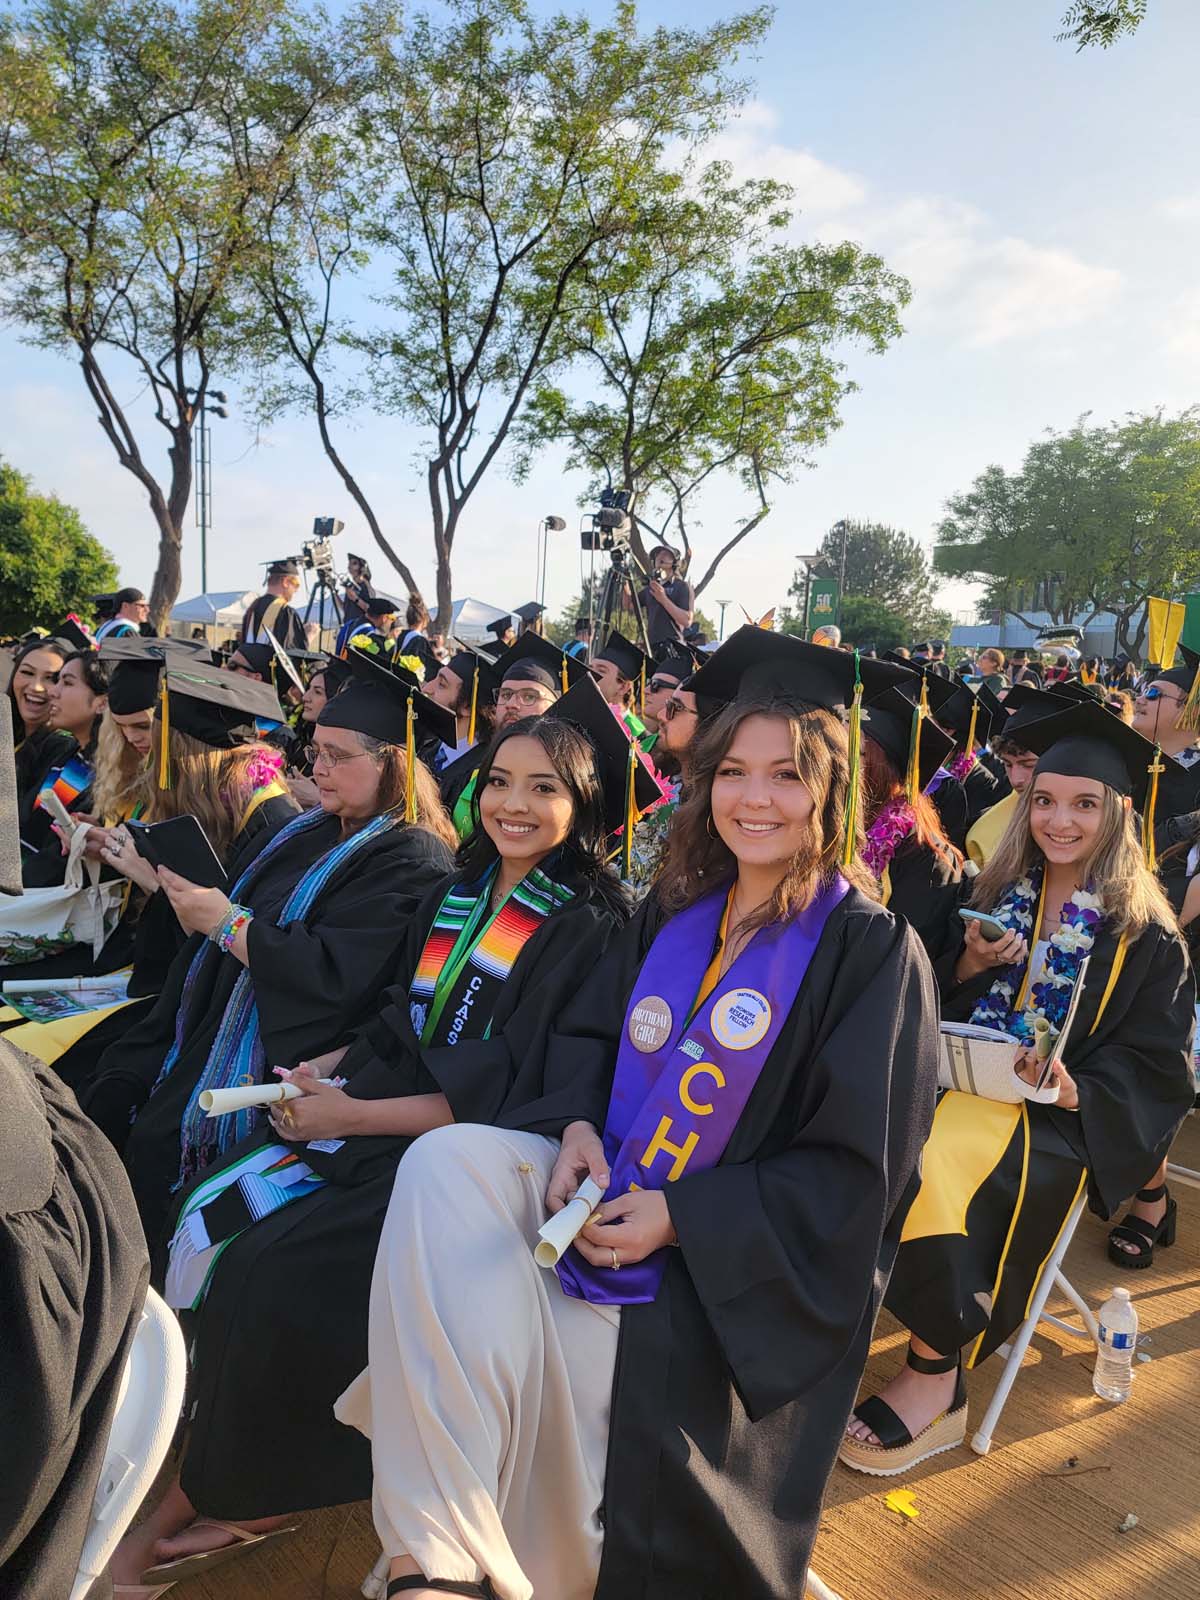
(1159,694)
(676,708)
(661,685)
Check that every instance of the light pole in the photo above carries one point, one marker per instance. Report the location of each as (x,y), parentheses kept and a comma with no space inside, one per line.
(842,527)
(808,562)
(204,475)
(721,624)
(546,527)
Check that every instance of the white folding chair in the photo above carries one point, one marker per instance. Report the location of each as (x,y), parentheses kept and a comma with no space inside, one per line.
(143,1425)
(1013,1353)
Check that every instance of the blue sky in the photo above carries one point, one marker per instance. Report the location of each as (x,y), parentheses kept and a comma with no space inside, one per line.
(1045,205)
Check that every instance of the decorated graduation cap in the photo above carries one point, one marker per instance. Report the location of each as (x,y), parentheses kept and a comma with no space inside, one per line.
(1026,705)
(479,679)
(532,659)
(530,611)
(220,709)
(628,785)
(1086,741)
(902,726)
(72,631)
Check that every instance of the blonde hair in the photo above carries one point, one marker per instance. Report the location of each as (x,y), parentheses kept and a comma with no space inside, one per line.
(1116,870)
(123,778)
(214,786)
(698,861)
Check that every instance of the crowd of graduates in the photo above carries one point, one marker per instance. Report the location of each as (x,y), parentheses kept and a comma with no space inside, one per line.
(685,920)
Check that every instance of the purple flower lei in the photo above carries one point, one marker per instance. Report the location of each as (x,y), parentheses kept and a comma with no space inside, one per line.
(885,835)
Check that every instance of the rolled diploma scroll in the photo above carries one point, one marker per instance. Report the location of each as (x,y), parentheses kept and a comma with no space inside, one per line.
(1043,1038)
(556,1236)
(218,1102)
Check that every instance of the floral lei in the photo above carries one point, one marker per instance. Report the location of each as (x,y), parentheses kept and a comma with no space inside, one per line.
(1050,992)
(886,834)
(957,769)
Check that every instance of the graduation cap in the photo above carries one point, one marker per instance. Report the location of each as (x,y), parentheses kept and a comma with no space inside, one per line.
(996,710)
(628,785)
(136,664)
(220,709)
(286,566)
(375,701)
(532,659)
(960,712)
(753,661)
(1087,741)
(259,658)
(72,631)
(336,672)
(676,659)
(903,729)
(500,625)
(530,611)
(628,659)
(1078,692)
(1187,678)
(380,606)
(1026,705)
(480,680)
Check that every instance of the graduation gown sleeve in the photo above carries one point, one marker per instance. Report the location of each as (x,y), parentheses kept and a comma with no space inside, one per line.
(344,950)
(925,891)
(783,1251)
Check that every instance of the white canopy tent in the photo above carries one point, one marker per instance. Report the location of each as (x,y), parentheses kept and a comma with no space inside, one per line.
(222,609)
(469,619)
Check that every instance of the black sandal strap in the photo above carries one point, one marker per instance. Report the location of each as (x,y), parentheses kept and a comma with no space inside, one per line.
(931,1366)
(1137,1230)
(1149,1196)
(883,1422)
(476,1591)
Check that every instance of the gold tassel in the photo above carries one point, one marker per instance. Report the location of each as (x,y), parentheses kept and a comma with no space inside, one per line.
(855,764)
(971,727)
(630,813)
(562,667)
(474,700)
(1155,767)
(164,733)
(912,780)
(1189,711)
(410,765)
(642,691)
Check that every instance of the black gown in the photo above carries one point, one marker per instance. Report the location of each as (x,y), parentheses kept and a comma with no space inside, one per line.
(961,803)
(926,889)
(150,944)
(455,776)
(732,1388)
(73,1274)
(1135,1087)
(299,1281)
(312,981)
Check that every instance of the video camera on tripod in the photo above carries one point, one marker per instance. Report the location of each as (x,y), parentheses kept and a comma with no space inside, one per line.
(610,525)
(316,554)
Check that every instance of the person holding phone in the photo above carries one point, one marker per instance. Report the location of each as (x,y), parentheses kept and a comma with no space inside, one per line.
(1068,881)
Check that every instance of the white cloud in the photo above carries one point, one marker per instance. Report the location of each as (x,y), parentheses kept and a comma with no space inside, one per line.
(1182,207)
(972,282)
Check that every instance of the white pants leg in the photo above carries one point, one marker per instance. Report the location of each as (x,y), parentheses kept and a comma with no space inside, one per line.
(487,1393)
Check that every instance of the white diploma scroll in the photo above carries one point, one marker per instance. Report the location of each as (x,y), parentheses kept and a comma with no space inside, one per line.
(219,1102)
(556,1236)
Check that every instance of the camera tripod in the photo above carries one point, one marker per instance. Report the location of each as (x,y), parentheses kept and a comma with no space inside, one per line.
(323,587)
(612,592)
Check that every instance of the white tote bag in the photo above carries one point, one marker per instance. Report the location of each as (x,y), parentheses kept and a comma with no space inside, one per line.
(45,922)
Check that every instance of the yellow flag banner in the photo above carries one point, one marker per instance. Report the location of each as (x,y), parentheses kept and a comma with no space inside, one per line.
(1166,625)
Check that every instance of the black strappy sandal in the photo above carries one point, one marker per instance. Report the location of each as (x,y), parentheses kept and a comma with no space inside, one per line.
(1144,1235)
(897,1450)
(476,1591)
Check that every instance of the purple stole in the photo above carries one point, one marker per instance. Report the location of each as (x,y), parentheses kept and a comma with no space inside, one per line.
(680,1086)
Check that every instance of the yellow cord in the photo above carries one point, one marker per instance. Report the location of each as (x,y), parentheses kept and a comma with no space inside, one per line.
(410,765)
(630,812)
(164,734)
(474,700)
(854,763)
(1155,767)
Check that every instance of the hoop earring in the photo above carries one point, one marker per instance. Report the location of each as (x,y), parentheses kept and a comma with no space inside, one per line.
(708,826)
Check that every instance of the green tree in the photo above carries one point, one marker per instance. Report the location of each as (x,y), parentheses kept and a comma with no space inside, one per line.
(1100,22)
(51,563)
(499,154)
(1096,521)
(138,140)
(704,348)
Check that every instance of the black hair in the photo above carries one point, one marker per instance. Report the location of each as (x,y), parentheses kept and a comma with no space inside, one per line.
(26,648)
(584,852)
(127,597)
(95,671)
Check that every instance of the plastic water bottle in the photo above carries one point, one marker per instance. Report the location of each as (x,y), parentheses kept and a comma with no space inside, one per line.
(1113,1377)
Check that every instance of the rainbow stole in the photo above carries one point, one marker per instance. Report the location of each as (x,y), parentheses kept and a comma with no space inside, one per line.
(69,781)
(682,1080)
(454,1000)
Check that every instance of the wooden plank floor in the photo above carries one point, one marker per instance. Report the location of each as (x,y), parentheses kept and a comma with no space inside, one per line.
(1018,1524)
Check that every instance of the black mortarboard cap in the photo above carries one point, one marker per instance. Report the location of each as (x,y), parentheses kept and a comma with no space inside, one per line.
(286,564)
(1026,705)
(629,660)
(220,709)
(380,606)
(135,666)
(375,703)
(499,625)
(951,705)
(586,707)
(995,708)
(530,611)
(336,673)
(676,659)
(1079,693)
(260,657)
(1185,676)
(71,631)
(753,661)
(469,664)
(888,720)
(1086,741)
(533,659)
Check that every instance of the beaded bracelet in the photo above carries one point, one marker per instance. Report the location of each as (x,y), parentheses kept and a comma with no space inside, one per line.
(227,931)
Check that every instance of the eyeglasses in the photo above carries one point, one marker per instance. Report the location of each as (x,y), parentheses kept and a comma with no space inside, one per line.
(331,758)
(521,697)
(1159,694)
(676,708)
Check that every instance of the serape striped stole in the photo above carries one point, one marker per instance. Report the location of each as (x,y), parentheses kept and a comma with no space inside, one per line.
(467,955)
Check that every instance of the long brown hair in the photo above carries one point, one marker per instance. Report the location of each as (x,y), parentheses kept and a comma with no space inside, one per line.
(883,784)
(1116,870)
(214,786)
(393,779)
(698,860)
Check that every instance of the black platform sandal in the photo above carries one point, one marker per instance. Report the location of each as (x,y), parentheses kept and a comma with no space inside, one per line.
(477,1591)
(1142,1234)
(897,1450)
